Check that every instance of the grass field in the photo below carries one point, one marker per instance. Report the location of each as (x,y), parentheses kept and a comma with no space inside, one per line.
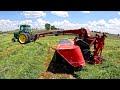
(29,61)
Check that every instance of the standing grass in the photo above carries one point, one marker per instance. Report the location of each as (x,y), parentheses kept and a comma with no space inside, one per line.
(28,62)
(110,68)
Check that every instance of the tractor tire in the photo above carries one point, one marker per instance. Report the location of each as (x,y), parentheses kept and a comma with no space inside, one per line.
(23,38)
(29,37)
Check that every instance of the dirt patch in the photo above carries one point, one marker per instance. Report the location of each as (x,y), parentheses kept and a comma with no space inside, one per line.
(48,58)
(10,50)
(49,75)
(118,61)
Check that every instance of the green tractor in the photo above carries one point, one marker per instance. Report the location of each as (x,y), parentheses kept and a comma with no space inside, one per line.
(24,35)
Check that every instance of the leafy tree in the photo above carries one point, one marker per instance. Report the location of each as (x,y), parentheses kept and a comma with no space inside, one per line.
(47,26)
(53,28)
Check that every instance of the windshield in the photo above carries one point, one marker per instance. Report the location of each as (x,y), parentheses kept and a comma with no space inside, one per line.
(25,28)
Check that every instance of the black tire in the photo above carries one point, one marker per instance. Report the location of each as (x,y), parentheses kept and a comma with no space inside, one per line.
(29,37)
(56,33)
(26,39)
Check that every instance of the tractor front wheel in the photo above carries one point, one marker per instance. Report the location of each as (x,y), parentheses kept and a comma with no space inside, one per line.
(13,40)
(23,38)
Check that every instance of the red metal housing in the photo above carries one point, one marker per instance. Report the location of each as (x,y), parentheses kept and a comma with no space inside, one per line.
(74,54)
(71,53)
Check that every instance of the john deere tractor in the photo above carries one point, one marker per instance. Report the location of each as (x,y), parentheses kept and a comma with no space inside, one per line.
(24,35)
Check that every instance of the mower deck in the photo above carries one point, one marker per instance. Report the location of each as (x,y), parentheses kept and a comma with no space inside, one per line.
(71,53)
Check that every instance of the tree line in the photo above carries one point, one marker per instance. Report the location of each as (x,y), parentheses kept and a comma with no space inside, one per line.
(50,27)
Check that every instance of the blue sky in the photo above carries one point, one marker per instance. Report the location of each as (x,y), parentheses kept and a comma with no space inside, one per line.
(105,21)
(74,16)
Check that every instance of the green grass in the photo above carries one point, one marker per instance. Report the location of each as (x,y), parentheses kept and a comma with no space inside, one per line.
(28,62)
(110,68)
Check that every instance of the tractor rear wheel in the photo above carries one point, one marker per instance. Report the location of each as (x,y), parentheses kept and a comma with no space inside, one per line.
(23,38)
(29,37)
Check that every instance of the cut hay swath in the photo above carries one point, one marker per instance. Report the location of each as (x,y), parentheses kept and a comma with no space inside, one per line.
(10,50)
(32,60)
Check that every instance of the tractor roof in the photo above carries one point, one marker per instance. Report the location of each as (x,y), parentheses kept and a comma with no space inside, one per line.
(25,25)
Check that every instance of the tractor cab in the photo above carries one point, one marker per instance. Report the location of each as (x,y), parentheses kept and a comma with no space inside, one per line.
(25,28)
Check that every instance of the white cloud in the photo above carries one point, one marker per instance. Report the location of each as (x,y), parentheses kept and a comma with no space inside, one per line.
(85,11)
(33,14)
(60,13)
(111,26)
(40,23)
(67,25)
(114,21)
(6,25)
(118,13)
(101,23)
(26,22)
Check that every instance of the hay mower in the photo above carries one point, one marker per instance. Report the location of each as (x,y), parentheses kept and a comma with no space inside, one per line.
(75,52)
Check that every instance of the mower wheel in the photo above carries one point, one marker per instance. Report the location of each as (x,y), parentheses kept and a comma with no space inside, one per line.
(56,33)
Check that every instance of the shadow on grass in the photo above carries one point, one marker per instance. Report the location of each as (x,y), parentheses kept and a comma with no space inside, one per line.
(59,65)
